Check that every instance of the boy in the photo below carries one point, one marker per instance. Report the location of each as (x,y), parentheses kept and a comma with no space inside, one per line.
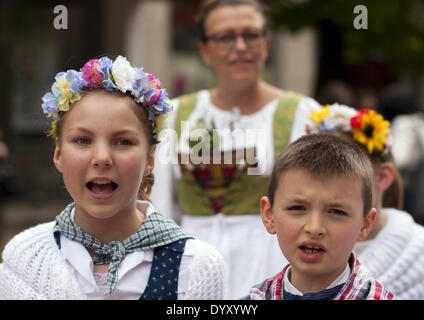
(319,205)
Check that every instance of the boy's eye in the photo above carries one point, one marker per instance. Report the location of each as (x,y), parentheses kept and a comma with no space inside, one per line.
(82,141)
(337,212)
(295,208)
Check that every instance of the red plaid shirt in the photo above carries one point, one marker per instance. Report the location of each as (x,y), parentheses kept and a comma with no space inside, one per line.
(360,286)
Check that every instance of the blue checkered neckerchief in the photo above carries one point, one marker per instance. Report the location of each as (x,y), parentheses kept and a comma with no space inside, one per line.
(155,231)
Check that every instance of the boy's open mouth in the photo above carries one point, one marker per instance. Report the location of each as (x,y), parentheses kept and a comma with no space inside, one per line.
(101,186)
(311,249)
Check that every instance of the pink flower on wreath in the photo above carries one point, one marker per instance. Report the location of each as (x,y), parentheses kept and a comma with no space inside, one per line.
(91,73)
(154,82)
(154,92)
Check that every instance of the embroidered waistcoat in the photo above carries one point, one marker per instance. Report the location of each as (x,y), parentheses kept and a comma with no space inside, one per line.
(207,189)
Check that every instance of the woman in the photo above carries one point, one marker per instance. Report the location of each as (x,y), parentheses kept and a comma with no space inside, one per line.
(226,141)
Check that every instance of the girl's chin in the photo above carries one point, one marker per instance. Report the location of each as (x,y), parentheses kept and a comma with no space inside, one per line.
(97,210)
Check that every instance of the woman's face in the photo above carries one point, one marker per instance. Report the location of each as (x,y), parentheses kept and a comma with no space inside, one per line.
(239,62)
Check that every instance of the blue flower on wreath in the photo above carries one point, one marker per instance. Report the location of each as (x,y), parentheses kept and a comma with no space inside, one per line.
(105,70)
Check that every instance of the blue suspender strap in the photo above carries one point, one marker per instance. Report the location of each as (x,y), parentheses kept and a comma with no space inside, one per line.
(163,279)
(56,236)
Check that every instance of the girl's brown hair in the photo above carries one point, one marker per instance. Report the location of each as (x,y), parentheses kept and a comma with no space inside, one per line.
(141,113)
(393,196)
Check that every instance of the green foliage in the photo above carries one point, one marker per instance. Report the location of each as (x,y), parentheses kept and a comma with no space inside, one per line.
(395,27)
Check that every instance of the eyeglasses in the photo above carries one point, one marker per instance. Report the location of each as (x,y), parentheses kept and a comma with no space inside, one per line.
(226,41)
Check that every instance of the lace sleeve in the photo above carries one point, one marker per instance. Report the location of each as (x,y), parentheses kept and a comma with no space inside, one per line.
(207,274)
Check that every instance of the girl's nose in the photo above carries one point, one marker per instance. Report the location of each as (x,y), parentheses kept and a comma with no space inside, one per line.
(102,157)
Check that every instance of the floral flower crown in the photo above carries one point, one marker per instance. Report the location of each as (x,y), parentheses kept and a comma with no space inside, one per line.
(366,126)
(118,75)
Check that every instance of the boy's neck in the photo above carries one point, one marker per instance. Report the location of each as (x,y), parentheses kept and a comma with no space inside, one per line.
(312,283)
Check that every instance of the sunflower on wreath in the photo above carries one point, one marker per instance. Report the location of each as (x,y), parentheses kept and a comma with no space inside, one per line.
(366,126)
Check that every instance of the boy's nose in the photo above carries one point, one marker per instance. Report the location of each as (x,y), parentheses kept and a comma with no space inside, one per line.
(315,224)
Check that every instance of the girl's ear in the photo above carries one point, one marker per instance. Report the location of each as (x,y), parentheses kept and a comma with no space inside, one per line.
(150,161)
(385,175)
(57,158)
(367,225)
(267,216)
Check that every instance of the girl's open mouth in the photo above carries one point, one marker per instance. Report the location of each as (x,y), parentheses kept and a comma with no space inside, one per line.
(102,186)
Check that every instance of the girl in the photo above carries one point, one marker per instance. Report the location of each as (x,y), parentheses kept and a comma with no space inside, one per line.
(392,252)
(107,244)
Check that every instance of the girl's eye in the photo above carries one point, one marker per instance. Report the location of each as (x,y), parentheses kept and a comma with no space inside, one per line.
(82,141)
(337,212)
(124,142)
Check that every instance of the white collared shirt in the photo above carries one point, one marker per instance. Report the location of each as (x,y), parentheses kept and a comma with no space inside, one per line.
(133,271)
(344,276)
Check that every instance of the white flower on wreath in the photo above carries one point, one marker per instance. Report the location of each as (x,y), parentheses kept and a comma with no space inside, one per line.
(123,74)
(338,119)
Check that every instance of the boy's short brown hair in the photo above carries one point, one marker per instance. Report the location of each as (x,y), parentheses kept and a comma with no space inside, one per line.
(325,155)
